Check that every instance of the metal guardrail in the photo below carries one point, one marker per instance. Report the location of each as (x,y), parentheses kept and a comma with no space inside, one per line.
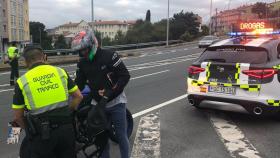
(58,52)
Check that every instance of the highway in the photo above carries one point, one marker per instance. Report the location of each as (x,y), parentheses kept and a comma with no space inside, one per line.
(165,125)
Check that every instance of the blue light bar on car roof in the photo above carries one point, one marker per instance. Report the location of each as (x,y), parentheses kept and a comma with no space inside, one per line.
(255,32)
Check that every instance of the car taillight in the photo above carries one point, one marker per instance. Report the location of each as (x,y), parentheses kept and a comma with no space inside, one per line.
(261,73)
(195,70)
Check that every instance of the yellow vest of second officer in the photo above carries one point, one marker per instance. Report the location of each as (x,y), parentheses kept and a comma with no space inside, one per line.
(12,52)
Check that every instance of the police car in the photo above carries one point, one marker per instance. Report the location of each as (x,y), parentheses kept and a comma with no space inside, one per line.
(243,71)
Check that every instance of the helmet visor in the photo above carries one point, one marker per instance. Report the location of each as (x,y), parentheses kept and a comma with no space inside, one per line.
(84,52)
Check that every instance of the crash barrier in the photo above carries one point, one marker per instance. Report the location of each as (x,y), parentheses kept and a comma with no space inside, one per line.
(64,56)
(59,52)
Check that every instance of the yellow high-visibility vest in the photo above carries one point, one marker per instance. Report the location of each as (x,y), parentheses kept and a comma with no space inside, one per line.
(12,52)
(44,88)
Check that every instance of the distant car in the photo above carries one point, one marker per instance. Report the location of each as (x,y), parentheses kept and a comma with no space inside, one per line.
(207,41)
(240,71)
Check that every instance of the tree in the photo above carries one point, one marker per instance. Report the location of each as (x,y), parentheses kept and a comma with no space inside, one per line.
(141,32)
(98,36)
(60,43)
(187,37)
(205,30)
(106,41)
(148,16)
(159,32)
(182,23)
(39,35)
(261,9)
(119,38)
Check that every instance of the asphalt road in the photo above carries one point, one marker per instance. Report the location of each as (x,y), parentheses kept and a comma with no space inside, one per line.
(165,124)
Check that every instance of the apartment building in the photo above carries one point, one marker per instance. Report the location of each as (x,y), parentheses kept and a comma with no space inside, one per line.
(228,20)
(15,23)
(106,28)
(110,28)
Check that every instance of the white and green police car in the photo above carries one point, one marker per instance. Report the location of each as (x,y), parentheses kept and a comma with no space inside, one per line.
(243,71)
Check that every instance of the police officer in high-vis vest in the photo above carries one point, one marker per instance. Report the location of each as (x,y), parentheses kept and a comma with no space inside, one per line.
(42,107)
(13,56)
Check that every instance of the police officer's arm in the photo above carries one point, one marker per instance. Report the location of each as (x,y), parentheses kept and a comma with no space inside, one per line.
(80,79)
(120,72)
(18,106)
(75,94)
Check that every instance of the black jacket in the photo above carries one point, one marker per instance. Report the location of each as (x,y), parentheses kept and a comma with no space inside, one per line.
(106,71)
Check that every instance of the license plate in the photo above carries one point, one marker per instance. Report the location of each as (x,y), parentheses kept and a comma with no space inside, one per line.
(221,89)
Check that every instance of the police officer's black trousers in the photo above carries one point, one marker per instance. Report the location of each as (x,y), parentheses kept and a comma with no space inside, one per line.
(14,70)
(60,145)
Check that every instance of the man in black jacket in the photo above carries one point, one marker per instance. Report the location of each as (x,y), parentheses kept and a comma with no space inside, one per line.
(107,76)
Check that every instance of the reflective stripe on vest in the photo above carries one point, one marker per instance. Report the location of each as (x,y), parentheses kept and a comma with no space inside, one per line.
(11,52)
(44,88)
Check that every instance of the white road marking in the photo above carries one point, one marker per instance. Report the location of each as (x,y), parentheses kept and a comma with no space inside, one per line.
(158,63)
(147,139)
(6,90)
(149,74)
(159,106)
(8,72)
(4,85)
(162,62)
(232,137)
(4,73)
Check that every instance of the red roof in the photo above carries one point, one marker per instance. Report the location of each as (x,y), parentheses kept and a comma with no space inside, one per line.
(70,24)
(113,22)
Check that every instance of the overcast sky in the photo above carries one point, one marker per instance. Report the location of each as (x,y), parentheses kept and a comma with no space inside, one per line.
(56,12)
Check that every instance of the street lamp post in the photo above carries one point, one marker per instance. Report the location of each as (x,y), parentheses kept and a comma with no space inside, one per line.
(167,27)
(40,35)
(92,15)
(210,23)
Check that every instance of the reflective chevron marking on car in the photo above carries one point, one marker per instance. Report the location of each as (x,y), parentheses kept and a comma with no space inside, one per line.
(208,71)
(276,67)
(250,88)
(237,74)
(273,102)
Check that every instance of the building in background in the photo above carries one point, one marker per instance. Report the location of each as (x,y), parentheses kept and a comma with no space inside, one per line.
(71,28)
(110,28)
(106,28)
(199,20)
(229,20)
(15,22)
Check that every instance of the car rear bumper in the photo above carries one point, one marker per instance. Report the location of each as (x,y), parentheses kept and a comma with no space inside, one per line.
(248,105)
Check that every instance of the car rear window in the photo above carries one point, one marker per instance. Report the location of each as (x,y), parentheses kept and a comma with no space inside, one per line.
(235,55)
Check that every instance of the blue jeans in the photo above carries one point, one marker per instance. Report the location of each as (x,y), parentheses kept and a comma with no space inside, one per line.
(117,114)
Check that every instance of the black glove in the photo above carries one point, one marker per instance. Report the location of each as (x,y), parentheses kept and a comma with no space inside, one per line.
(107,94)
